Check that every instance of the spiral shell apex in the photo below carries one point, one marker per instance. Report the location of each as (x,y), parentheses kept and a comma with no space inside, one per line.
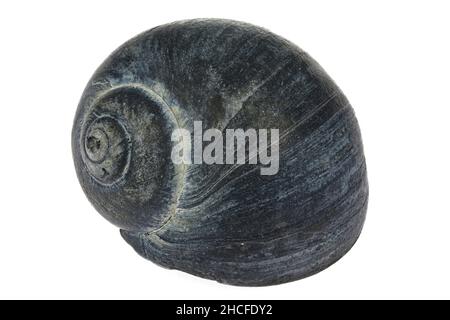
(292,205)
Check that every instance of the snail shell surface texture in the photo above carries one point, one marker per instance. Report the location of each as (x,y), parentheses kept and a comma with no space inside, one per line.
(226,221)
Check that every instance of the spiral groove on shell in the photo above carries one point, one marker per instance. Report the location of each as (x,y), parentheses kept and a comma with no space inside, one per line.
(125,134)
(221,221)
(107,149)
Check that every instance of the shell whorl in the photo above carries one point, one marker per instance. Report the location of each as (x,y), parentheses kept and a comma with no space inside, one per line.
(125,154)
(107,147)
(222,222)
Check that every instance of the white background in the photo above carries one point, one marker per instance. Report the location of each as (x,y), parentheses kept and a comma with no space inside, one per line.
(391,59)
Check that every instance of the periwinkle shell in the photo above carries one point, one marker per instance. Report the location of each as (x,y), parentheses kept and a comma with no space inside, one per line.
(223,222)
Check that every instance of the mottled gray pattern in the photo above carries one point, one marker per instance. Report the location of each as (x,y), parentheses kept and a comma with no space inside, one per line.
(222,222)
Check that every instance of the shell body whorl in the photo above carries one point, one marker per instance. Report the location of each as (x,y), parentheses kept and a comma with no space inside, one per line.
(222,221)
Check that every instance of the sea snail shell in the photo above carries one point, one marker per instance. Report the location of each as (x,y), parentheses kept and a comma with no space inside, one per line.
(224,222)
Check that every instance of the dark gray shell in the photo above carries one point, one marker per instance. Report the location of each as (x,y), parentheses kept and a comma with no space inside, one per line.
(223,222)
